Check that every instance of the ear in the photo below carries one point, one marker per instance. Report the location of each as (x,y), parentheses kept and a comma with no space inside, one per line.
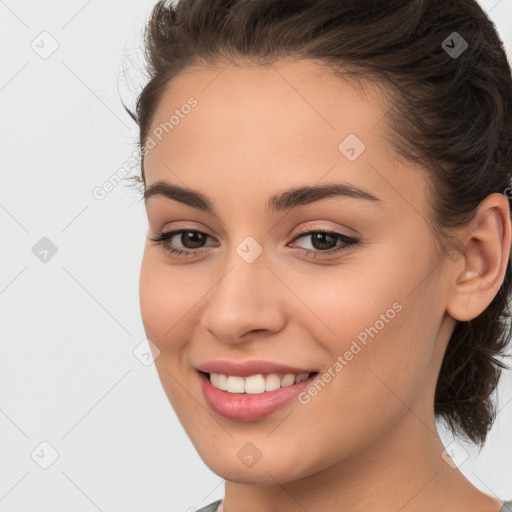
(479,273)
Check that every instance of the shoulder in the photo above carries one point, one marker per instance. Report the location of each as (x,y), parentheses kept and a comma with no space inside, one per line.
(212,507)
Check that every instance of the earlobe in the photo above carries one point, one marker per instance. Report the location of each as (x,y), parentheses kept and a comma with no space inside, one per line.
(487,240)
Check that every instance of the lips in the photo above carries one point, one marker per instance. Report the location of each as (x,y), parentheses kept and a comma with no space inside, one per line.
(253,367)
(249,407)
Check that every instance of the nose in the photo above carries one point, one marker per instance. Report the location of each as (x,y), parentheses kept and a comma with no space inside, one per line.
(246,301)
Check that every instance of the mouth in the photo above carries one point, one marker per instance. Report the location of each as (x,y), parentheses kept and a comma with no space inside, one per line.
(253,397)
(256,384)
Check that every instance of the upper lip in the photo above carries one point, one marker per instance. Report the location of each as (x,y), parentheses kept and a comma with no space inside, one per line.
(246,368)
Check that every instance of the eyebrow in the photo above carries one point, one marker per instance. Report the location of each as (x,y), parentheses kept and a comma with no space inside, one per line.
(280,202)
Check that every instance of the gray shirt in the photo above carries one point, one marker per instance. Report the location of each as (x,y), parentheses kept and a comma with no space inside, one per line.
(212,507)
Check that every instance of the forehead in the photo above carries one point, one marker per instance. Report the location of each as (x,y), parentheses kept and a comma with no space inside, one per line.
(287,99)
(283,124)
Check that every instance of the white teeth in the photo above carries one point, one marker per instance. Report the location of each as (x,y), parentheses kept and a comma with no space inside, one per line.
(235,384)
(219,381)
(272,382)
(301,377)
(222,382)
(255,384)
(288,380)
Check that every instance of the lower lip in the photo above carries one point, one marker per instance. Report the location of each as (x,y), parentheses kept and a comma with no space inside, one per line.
(247,407)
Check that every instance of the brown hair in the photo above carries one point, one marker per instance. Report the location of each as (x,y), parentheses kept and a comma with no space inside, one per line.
(450,114)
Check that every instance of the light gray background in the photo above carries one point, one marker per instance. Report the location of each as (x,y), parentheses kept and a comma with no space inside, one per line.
(69,326)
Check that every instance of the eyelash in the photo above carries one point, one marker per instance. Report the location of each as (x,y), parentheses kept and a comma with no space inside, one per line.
(163,237)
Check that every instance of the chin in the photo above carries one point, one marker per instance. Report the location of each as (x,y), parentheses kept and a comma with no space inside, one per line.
(232,461)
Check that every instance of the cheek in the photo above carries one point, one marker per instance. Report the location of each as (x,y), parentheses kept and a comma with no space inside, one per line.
(373,320)
(384,297)
(165,300)
(349,302)
(151,289)
(168,295)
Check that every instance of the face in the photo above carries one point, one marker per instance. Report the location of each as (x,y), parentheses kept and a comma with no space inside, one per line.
(345,284)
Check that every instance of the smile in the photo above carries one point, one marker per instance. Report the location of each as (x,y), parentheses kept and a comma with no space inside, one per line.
(252,397)
(255,384)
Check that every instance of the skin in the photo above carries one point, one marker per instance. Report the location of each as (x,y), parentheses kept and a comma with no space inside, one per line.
(368,440)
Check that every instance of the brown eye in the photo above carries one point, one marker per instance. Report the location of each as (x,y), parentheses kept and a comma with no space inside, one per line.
(191,240)
(325,242)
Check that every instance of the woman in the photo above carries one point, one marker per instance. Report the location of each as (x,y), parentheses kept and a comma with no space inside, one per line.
(327,264)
